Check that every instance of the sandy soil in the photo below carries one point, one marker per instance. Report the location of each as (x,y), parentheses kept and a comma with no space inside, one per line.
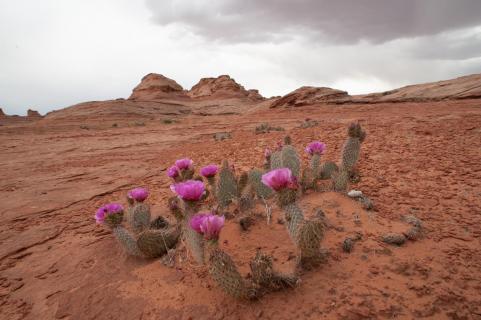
(419,158)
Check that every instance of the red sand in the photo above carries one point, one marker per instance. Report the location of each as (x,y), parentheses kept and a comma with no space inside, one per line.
(418,158)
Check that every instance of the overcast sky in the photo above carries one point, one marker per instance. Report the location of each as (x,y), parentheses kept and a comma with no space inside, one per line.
(55,53)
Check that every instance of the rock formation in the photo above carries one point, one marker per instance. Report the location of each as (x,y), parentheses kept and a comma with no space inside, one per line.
(2,114)
(459,88)
(33,114)
(156,86)
(308,96)
(222,87)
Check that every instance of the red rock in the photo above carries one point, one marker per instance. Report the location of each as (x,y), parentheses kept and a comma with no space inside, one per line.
(222,87)
(2,114)
(310,95)
(156,86)
(33,114)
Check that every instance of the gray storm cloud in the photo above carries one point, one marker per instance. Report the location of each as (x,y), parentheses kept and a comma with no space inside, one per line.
(347,21)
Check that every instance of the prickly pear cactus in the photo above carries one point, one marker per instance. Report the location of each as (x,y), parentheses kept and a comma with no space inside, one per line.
(224,272)
(327,169)
(309,237)
(276,160)
(227,185)
(290,159)
(155,243)
(261,190)
(127,241)
(139,217)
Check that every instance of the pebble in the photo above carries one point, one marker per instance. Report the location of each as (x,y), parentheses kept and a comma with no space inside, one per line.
(354,193)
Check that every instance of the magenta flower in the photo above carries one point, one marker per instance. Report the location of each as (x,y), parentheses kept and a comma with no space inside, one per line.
(279,179)
(316,147)
(173,172)
(209,225)
(190,190)
(209,171)
(196,221)
(106,210)
(138,194)
(184,164)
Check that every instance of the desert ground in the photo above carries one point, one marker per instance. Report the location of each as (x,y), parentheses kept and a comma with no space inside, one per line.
(421,157)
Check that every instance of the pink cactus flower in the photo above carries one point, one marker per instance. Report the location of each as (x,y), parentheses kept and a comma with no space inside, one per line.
(190,190)
(173,172)
(279,179)
(209,171)
(138,194)
(316,147)
(196,221)
(108,209)
(209,225)
(184,164)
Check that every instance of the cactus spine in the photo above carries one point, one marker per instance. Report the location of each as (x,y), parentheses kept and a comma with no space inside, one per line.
(227,186)
(327,169)
(276,160)
(309,236)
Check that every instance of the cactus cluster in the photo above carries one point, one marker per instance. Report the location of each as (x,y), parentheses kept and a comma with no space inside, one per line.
(282,177)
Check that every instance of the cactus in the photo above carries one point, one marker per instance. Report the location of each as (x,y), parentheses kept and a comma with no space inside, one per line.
(309,236)
(352,146)
(159,223)
(327,169)
(139,217)
(242,183)
(261,190)
(174,204)
(276,160)
(194,240)
(246,200)
(349,157)
(295,218)
(224,272)
(266,278)
(127,241)
(340,180)
(227,185)
(307,179)
(290,159)
(155,243)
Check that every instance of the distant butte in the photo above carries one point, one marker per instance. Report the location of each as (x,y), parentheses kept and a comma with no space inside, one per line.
(222,87)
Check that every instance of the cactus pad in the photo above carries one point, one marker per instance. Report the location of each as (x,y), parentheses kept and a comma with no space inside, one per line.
(224,272)
(261,190)
(266,278)
(155,243)
(327,169)
(308,240)
(139,217)
(127,241)
(227,185)
(290,159)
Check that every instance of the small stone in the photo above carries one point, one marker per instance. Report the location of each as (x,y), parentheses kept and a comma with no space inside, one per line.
(219,136)
(394,238)
(354,193)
